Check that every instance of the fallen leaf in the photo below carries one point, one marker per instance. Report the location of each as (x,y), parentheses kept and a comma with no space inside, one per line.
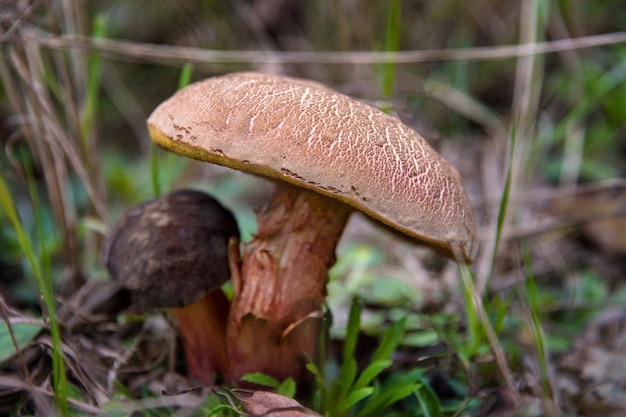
(269,404)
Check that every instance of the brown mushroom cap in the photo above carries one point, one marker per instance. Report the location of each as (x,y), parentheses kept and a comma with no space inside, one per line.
(308,135)
(171,251)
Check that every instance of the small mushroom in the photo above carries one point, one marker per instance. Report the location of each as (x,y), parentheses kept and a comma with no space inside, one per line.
(329,155)
(172,253)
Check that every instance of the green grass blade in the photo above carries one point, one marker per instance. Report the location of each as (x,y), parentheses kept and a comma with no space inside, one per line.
(539,338)
(316,373)
(429,403)
(45,286)
(348,364)
(504,203)
(58,374)
(320,397)
(372,371)
(94,77)
(390,341)
(6,201)
(352,331)
(342,385)
(354,397)
(610,80)
(155,164)
(474,328)
(392,43)
(346,377)
(484,327)
(382,399)
(154,171)
(185,76)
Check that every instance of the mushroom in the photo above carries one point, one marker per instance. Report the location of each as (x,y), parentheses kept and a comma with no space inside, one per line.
(172,253)
(329,156)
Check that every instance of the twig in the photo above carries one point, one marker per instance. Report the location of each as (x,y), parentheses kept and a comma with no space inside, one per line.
(177,55)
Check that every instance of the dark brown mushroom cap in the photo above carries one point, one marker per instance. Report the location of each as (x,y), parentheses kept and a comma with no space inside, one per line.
(308,135)
(171,251)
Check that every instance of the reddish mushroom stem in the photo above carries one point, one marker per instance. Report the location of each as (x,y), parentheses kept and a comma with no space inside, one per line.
(279,293)
(203,333)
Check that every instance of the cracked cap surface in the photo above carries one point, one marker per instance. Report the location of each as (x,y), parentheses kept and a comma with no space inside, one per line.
(306,134)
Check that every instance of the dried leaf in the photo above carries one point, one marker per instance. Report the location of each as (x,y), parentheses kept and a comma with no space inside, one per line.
(269,404)
(598,364)
(601,212)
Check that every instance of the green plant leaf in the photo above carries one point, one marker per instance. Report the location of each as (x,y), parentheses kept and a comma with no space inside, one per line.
(354,397)
(429,403)
(23,332)
(219,408)
(287,388)
(371,372)
(381,399)
(347,375)
(392,43)
(352,331)
(185,75)
(39,267)
(261,379)
(390,341)
(313,369)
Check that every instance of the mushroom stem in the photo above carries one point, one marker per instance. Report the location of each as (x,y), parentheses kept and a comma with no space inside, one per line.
(203,333)
(279,294)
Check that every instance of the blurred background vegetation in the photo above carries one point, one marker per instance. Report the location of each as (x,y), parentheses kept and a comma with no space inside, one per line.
(540,140)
